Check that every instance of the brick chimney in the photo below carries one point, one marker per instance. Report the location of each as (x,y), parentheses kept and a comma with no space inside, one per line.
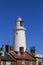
(21,50)
(11,48)
(32,51)
(7,47)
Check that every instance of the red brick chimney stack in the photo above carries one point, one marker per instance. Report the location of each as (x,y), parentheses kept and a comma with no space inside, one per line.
(7,47)
(32,50)
(21,50)
(11,48)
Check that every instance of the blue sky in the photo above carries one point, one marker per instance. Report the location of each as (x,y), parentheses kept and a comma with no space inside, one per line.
(32,13)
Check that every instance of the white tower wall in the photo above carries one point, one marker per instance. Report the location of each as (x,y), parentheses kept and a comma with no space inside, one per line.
(19,36)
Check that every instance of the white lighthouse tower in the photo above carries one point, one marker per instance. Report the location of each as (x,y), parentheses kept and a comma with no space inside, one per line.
(19,35)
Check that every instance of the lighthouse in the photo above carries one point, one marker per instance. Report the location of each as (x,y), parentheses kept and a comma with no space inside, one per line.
(19,35)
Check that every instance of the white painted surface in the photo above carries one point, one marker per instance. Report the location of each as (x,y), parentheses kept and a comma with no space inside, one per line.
(39,55)
(8,63)
(39,60)
(19,36)
(17,26)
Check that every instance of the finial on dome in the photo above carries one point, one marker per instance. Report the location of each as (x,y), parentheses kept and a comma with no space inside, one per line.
(19,18)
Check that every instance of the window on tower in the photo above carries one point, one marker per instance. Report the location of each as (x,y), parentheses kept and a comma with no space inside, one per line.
(21,23)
